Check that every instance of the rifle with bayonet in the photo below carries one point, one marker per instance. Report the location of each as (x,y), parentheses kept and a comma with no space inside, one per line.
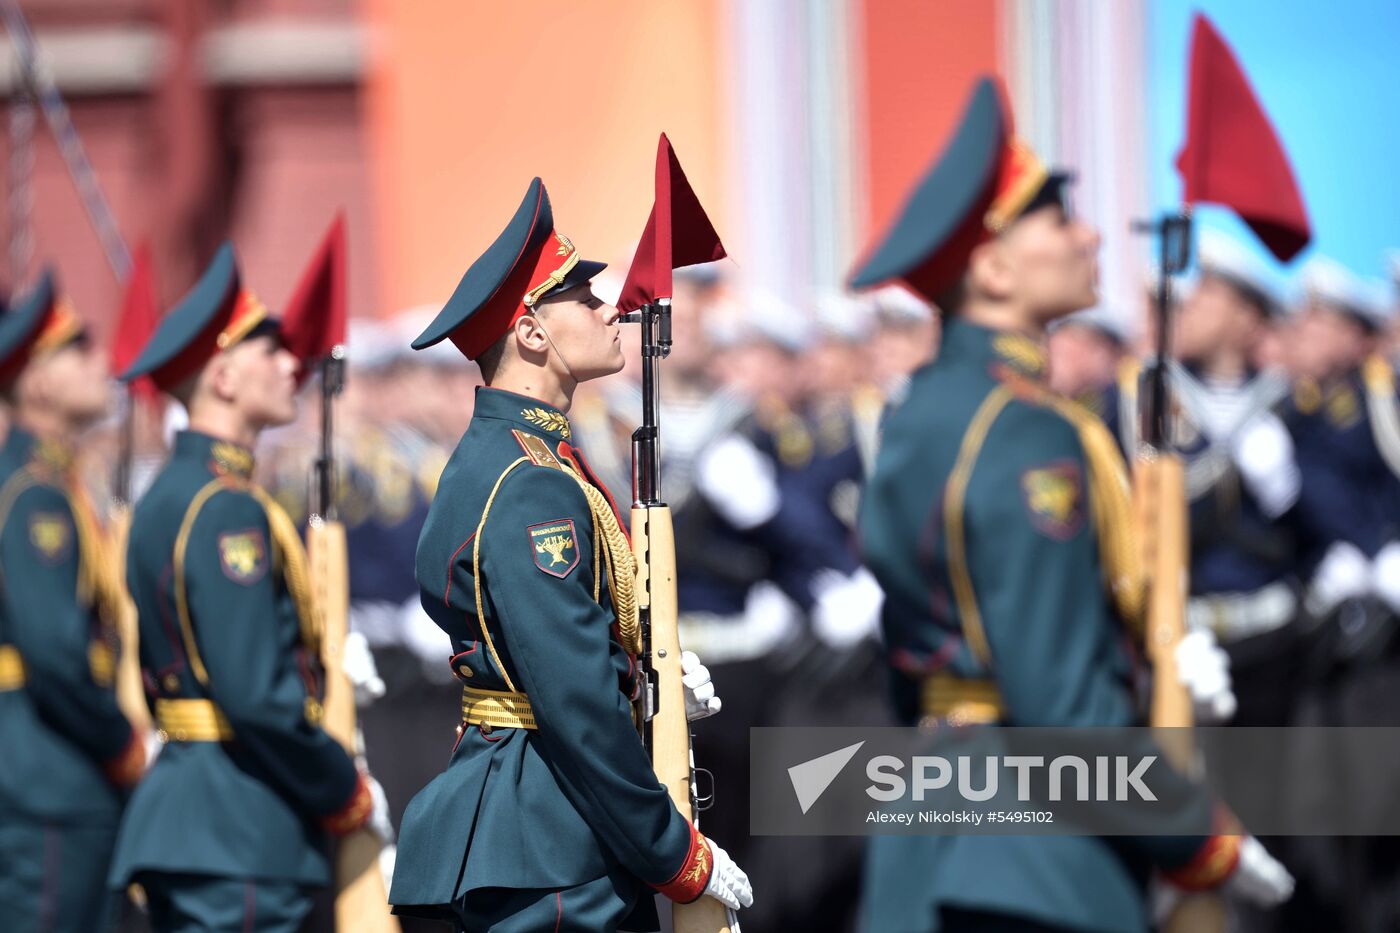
(361,902)
(666,729)
(1159,494)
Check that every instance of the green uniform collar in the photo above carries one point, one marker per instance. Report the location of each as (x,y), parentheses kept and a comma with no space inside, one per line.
(527,413)
(999,350)
(221,456)
(19,445)
(24,448)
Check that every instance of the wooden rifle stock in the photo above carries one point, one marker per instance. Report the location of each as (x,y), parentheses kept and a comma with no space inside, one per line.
(654,545)
(131,692)
(361,903)
(1160,484)
(1160,487)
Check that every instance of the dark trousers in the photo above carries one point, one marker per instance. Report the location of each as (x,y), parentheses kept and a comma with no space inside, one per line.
(53,877)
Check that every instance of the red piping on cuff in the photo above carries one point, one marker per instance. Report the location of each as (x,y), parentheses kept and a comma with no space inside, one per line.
(354,814)
(688,883)
(130,763)
(1214,861)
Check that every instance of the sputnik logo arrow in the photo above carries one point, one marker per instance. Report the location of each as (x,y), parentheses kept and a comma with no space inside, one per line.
(811,778)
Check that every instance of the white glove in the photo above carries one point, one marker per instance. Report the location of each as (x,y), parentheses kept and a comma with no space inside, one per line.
(847,609)
(1385,575)
(379,822)
(728,883)
(1259,878)
(1343,574)
(358,664)
(700,699)
(153,747)
(1204,670)
(1263,452)
(739,482)
(388,855)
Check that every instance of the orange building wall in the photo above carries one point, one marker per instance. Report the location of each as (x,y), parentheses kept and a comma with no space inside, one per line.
(921,58)
(467,102)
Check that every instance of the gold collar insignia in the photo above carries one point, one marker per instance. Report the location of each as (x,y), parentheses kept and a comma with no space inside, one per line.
(232,459)
(548,420)
(1022,353)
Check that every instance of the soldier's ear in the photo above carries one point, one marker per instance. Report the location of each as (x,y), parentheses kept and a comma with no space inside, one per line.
(989,271)
(221,378)
(531,340)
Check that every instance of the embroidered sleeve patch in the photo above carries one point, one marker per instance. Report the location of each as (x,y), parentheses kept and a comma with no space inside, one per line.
(51,533)
(554,547)
(243,555)
(1053,497)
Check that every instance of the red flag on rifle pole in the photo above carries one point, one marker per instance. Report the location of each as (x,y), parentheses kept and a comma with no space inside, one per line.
(136,320)
(678,233)
(314,322)
(1232,155)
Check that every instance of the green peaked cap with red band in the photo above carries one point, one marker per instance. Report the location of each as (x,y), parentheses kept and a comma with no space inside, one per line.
(527,262)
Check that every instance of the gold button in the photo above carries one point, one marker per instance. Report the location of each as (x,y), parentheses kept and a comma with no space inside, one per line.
(172,683)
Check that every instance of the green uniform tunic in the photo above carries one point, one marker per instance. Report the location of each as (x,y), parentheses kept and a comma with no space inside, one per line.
(569,811)
(68,746)
(217,594)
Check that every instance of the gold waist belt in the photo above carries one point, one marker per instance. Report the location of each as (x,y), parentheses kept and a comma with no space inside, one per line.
(11,669)
(192,721)
(497,708)
(961,701)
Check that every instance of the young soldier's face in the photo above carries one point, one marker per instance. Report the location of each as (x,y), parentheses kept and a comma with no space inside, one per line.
(584,332)
(74,382)
(1051,261)
(1339,339)
(261,381)
(1215,316)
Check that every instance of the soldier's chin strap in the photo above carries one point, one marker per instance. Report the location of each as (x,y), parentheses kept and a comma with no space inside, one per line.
(562,358)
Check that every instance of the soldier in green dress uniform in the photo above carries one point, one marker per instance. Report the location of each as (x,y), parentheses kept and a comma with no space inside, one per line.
(71,756)
(996,521)
(230,828)
(548,816)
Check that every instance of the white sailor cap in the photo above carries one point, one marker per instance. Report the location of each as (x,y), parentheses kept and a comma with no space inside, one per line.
(1108,321)
(843,316)
(769,318)
(1226,258)
(1326,281)
(895,305)
(371,344)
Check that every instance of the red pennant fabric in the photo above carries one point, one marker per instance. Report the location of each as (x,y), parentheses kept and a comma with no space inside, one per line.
(1232,154)
(137,320)
(678,234)
(315,319)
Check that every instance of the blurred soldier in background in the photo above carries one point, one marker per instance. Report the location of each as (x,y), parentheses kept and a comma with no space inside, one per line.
(71,755)
(1343,420)
(906,337)
(1011,595)
(1087,350)
(231,826)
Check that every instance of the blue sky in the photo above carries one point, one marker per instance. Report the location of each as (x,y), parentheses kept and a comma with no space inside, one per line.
(1328,74)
